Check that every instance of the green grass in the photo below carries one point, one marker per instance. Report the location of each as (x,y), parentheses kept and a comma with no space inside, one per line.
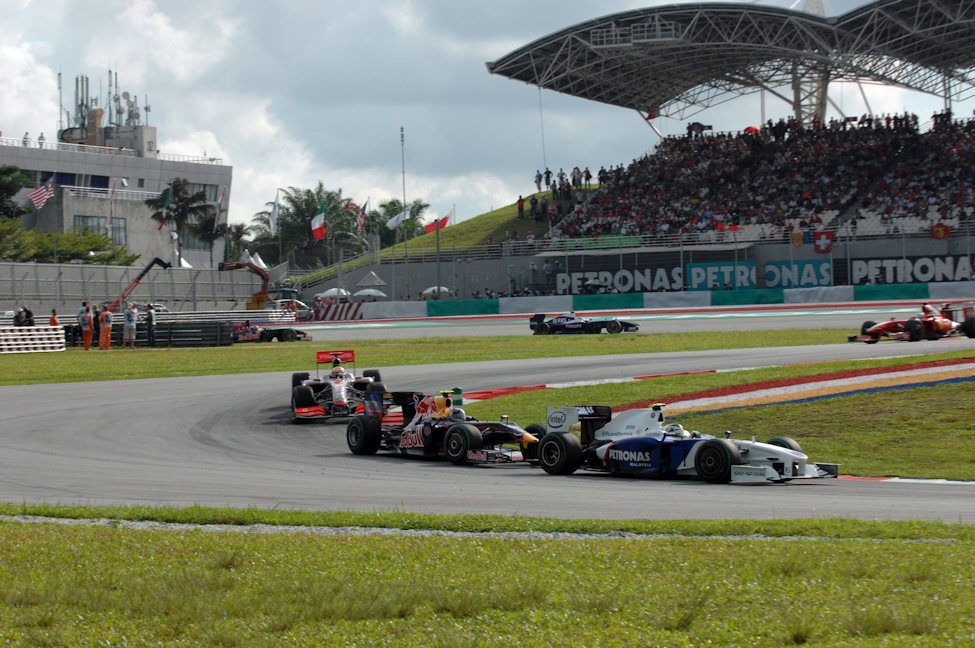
(100,587)
(121,364)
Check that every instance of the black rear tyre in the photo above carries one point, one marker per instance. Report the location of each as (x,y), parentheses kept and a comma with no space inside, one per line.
(714,459)
(363,434)
(289,335)
(372,373)
(968,327)
(542,328)
(914,329)
(459,440)
(614,327)
(560,454)
(297,379)
(785,442)
(869,324)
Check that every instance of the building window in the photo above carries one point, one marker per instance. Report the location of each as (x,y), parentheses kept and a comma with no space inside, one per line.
(141,183)
(96,225)
(209,190)
(149,145)
(190,242)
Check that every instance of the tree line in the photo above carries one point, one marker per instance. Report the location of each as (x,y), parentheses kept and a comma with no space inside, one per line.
(286,238)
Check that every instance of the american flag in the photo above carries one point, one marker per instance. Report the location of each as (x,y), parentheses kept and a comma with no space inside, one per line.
(40,195)
(360,217)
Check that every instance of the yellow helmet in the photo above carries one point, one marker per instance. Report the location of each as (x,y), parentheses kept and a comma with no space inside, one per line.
(443,403)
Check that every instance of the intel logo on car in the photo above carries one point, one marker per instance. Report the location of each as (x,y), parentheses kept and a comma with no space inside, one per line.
(556,419)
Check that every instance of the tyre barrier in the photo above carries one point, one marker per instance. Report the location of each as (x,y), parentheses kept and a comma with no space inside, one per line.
(31,339)
(168,334)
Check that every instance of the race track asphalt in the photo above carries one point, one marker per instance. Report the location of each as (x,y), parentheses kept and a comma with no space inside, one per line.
(229,441)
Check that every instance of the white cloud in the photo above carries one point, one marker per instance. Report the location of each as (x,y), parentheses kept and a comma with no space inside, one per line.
(29,89)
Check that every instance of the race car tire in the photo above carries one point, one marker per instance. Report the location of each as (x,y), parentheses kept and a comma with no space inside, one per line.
(372,373)
(363,434)
(531,450)
(459,440)
(968,327)
(614,327)
(301,396)
(266,336)
(289,335)
(297,379)
(560,453)
(714,459)
(785,442)
(914,329)
(869,324)
(542,329)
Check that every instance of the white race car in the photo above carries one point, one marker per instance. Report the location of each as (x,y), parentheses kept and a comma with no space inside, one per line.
(638,442)
(338,393)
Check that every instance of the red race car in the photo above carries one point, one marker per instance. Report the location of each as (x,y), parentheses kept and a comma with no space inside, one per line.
(931,324)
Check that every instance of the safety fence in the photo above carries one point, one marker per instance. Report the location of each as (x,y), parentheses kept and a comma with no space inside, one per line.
(31,339)
(167,334)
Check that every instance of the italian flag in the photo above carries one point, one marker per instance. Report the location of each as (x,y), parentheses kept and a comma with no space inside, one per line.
(318,224)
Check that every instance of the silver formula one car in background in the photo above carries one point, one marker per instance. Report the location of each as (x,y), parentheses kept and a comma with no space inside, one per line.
(637,442)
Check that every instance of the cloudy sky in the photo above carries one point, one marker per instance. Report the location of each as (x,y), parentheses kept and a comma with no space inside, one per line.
(292,92)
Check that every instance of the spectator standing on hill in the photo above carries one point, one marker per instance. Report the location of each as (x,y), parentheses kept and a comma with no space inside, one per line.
(587,176)
(538,180)
(534,206)
(521,207)
(548,178)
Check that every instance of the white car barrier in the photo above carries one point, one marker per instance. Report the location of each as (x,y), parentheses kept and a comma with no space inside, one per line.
(31,339)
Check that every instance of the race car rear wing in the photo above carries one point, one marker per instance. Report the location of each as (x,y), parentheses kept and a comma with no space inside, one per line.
(589,418)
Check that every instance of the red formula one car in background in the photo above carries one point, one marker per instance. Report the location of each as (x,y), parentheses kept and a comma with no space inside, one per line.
(931,324)
(338,393)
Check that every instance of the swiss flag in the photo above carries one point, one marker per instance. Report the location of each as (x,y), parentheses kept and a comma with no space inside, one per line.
(823,241)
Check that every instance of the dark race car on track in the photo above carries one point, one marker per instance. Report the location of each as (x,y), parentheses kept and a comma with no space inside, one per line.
(636,442)
(338,393)
(931,324)
(250,332)
(572,323)
(432,426)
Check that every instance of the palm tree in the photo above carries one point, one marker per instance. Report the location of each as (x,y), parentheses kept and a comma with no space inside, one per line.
(177,207)
(408,229)
(204,230)
(296,209)
(236,241)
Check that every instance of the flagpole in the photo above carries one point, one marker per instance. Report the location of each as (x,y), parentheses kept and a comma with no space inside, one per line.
(438,260)
(406,235)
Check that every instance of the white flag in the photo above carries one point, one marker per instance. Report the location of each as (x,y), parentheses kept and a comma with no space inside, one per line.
(396,220)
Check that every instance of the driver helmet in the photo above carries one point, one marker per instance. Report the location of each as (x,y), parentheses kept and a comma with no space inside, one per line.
(337,369)
(458,413)
(676,430)
(443,405)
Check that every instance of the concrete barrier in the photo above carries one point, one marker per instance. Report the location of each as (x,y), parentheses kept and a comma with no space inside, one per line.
(622,301)
(888,292)
(393,310)
(746,297)
(683,299)
(539,304)
(818,295)
(456,307)
(952,290)
(31,339)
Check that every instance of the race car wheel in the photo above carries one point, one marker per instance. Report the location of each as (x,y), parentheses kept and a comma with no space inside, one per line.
(297,379)
(542,328)
(531,450)
(714,460)
(266,336)
(914,329)
(614,327)
(289,335)
(301,396)
(560,454)
(459,440)
(869,324)
(785,442)
(372,373)
(363,434)
(968,327)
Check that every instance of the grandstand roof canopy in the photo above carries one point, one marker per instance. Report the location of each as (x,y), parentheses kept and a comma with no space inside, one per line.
(677,60)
